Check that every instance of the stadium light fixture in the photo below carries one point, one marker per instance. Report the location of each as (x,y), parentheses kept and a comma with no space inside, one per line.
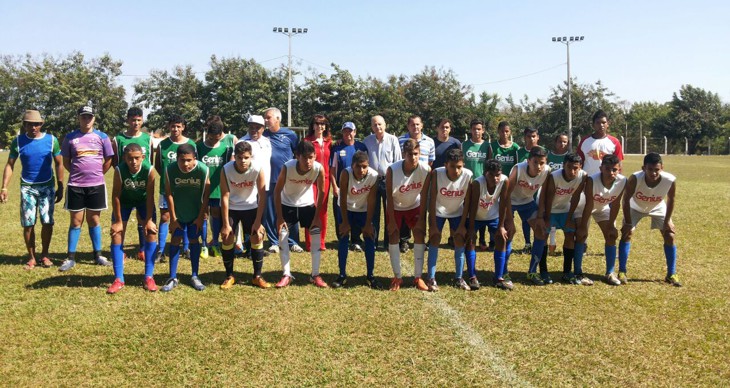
(294,31)
(567,41)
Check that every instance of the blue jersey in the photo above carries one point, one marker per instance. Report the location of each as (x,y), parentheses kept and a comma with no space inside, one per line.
(36,157)
(341,156)
(283,143)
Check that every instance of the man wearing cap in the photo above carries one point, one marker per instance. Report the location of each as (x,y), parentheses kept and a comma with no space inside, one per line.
(340,159)
(260,154)
(87,155)
(37,152)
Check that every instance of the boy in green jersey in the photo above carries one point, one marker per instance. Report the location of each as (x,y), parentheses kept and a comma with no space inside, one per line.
(186,189)
(531,137)
(476,151)
(133,188)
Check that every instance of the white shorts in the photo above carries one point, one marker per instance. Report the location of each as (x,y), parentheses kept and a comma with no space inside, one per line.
(602,214)
(657,220)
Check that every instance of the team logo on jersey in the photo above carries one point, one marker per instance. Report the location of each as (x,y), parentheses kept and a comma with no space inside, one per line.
(87,152)
(364,189)
(505,158)
(241,185)
(527,185)
(187,182)
(301,181)
(131,184)
(476,154)
(647,198)
(410,186)
(484,204)
(568,191)
(171,156)
(600,199)
(75,141)
(212,160)
(451,193)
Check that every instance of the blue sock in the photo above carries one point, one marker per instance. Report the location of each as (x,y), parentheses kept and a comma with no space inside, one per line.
(149,257)
(433,255)
(204,237)
(499,264)
(343,247)
(536,254)
(526,229)
(186,241)
(216,223)
(670,252)
(118,261)
(174,257)
(370,255)
(507,254)
(471,262)
(459,262)
(162,240)
(580,250)
(624,247)
(140,234)
(194,258)
(95,234)
(73,238)
(610,252)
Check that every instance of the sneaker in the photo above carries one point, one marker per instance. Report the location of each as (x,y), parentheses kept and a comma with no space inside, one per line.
(420,284)
(460,283)
(504,284)
(140,255)
(506,277)
(584,280)
(66,265)
(570,278)
(340,282)
(432,286)
(169,285)
(395,284)
(204,252)
(317,281)
(373,282)
(546,278)
(197,284)
(527,249)
(623,278)
(215,251)
(535,279)
(296,249)
(356,248)
(474,283)
(673,280)
(228,283)
(259,282)
(159,258)
(612,279)
(46,262)
(149,284)
(116,286)
(103,261)
(285,281)
(404,247)
(274,249)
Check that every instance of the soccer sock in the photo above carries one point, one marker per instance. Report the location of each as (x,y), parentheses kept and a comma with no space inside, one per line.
(536,254)
(543,260)
(228,257)
(316,252)
(257,257)
(433,255)
(507,254)
(194,258)
(186,241)
(174,257)
(568,255)
(482,235)
(95,234)
(624,247)
(670,252)
(499,264)
(394,253)
(118,261)
(73,239)
(162,240)
(216,224)
(140,234)
(459,262)
(418,252)
(370,256)
(610,251)
(578,252)
(204,234)
(553,233)
(471,262)
(526,229)
(343,247)
(149,257)
(284,251)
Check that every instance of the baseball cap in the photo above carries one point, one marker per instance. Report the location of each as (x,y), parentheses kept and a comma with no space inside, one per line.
(349,125)
(85,110)
(255,119)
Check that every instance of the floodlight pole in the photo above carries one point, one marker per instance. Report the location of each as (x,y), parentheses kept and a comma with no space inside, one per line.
(290,34)
(567,41)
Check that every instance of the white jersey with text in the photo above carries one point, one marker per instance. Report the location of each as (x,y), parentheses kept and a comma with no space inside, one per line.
(650,200)
(526,186)
(407,188)
(358,191)
(450,194)
(564,190)
(298,190)
(488,207)
(603,196)
(242,188)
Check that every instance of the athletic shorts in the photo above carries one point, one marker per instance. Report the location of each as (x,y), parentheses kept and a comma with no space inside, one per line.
(141,212)
(243,217)
(37,199)
(491,225)
(453,223)
(409,217)
(86,198)
(558,220)
(657,221)
(601,215)
(526,211)
(357,218)
(303,215)
(163,202)
(214,202)
(188,228)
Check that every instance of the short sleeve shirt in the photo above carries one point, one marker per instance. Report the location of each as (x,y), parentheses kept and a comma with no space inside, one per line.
(441,148)
(87,152)
(36,157)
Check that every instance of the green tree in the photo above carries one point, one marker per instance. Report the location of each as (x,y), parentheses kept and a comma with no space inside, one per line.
(694,114)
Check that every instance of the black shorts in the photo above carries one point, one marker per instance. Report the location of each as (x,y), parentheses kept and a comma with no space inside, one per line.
(85,198)
(303,215)
(243,217)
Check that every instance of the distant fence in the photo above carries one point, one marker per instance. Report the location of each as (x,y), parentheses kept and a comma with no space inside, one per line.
(665,146)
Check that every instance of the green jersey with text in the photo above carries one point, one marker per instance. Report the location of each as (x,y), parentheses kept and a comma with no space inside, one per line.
(187,190)
(555,162)
(168,156)
(474,156)
(142,138)
(215,158)
(134,186)
(506,156)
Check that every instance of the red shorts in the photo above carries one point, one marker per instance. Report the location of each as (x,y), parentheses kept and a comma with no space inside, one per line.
(410,217)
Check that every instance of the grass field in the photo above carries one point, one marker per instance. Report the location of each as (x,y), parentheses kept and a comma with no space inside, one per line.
(62,329)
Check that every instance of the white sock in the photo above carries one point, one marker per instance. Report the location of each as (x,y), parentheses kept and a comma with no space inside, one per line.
(394,251)
(553,232)
(284,251)
(239,237)
(316,253)
(418,252)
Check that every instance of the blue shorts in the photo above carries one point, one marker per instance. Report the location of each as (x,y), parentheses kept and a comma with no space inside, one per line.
(163,202)
(453,222)
(558,220)
(141,212)
(526,211)
(188,228)
(491,225)
(356,218)
(214,202)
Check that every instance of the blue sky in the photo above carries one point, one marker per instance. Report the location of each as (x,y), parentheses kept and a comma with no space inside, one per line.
(640,50)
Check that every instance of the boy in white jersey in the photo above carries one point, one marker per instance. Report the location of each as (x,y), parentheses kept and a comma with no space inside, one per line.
(603,193)
(489,205)
(243,201)
(294,201)
(645,195)
(449,199)
(559,199)
(525,180)
(357,206)
(406,184)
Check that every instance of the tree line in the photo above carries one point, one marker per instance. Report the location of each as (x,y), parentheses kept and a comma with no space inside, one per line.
(236,87)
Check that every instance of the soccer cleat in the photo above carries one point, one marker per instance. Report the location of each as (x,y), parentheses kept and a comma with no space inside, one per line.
(623,278)
(317,281)
(159,258)
(203,253)
(274,249)
(673,280)
(356,248)
(612,279)
(503,284)
(420,284)
(46,262)
(432,286)
(285,281)
(296,248)
(584,280)
(395,284)
(197,284)
(149,284)
(259,282)
(170,284)
(404,247)
(103,261)
(228,283)
(340,282)
(546,278)
(527,249)
(373,282)
(116,286)
(460,283)
(215,251)
(140,255)
(535,279)
(474,283)
(66,265)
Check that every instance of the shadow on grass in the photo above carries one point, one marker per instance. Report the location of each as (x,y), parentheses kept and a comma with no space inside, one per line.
(21,260)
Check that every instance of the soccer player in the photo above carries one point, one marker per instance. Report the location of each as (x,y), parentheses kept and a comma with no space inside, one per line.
(444,142)
(531,138)
(133,188)
(319,134)
(260,153)
(504,150)
(524,180)
(87,155)
(166,155)
(187,187)
(39,154)
(243,202)
(650,193)
(295,203)
(593,148)
(357,203)
(555,162)
(489,209)
(407,187)
(476,151)
(603,193)
(449,200)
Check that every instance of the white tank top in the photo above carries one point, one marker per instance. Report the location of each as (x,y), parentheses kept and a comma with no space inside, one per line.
(488,207)
(650,200)
(298,190)
(526,186)
(261,153)
(450,194)
(242,187)
(603,196)
(564,190)
(407,189)
(358,191)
